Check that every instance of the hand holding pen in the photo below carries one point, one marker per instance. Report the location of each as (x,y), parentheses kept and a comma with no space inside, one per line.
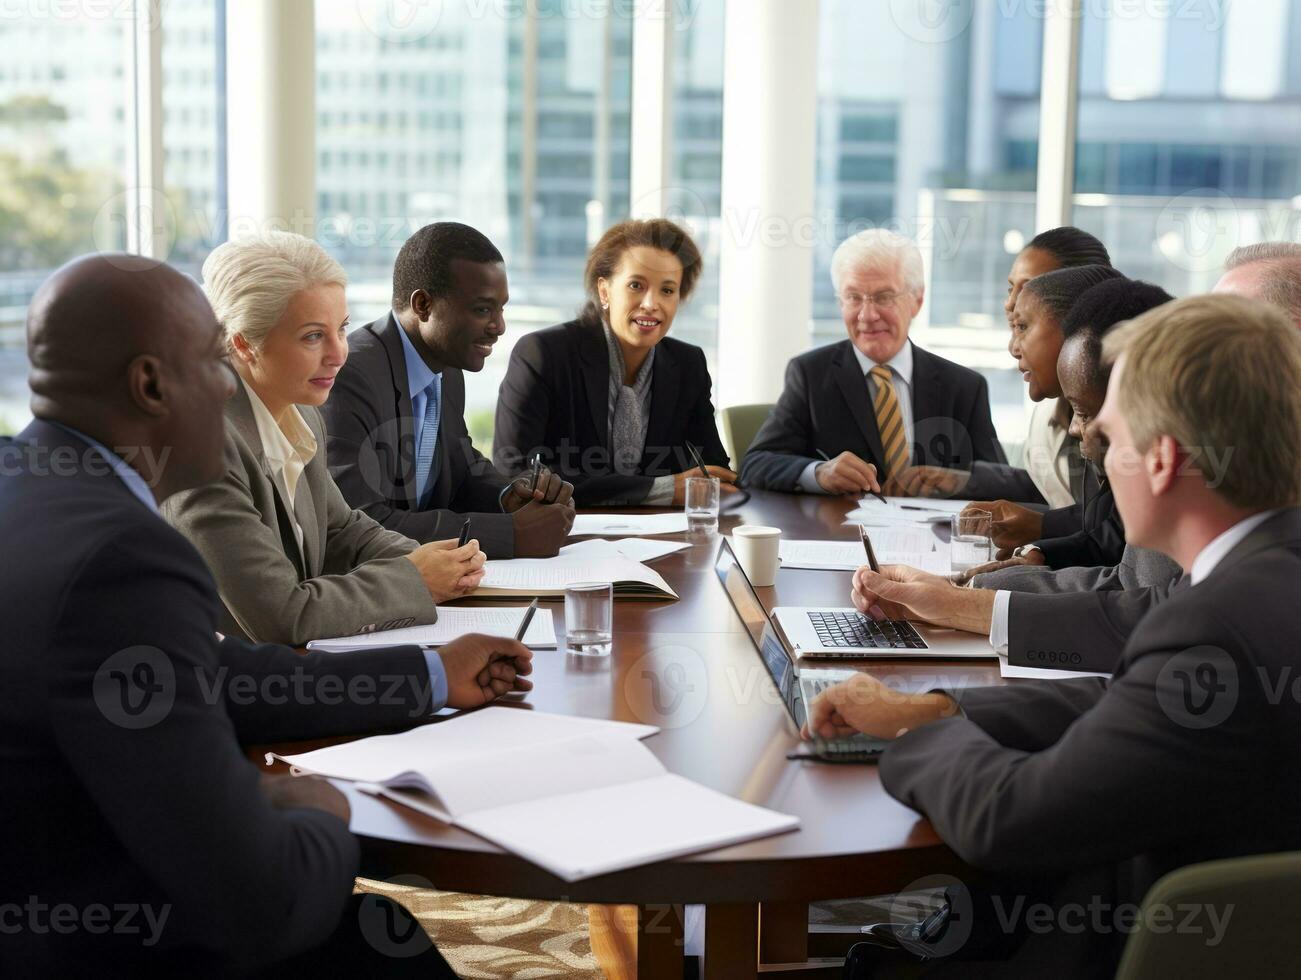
(538,485)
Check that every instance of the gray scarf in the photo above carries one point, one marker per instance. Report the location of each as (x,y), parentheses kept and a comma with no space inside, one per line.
(629,408)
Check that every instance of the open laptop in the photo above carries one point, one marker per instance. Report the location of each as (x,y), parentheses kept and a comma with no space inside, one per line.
(797,687)
(837,632)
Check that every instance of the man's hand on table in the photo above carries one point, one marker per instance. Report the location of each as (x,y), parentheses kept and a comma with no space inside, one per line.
(903,592)
(864,704)
(482,668)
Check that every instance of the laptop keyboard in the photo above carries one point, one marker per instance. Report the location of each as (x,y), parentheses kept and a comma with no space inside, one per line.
(839,629)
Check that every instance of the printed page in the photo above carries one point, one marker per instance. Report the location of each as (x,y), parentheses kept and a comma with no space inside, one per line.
(453,622)
(893,545)
(620,525)
(382,757)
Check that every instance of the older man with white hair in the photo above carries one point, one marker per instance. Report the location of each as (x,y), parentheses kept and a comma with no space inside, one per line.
(858,412)
(1270,271)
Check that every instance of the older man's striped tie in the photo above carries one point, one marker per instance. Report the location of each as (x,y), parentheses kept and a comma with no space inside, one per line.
(889,422)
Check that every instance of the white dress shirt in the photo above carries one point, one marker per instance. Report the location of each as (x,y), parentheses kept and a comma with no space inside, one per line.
(1203,565)
(901,373)
(288,450)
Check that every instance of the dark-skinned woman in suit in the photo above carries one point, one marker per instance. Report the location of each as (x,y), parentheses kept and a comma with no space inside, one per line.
(608,400)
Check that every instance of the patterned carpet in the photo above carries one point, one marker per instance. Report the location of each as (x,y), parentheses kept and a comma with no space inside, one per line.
(485,938)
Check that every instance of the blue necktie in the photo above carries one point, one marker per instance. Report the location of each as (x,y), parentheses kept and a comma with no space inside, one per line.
(426,460)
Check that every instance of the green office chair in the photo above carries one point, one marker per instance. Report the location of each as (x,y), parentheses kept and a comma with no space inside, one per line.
(1258,895)
(741,423)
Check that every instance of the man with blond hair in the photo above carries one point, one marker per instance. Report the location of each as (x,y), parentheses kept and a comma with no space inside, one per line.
(859,412)
(1089,791)
(1270,271)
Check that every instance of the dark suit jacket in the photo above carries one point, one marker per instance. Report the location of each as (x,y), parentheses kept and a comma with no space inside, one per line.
(169,814)
(1080,618)
(372,455)
(826,406)
(555,400)
(1100,539)
(1093,791)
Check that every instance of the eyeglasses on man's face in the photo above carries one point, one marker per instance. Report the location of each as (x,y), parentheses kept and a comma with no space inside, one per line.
(886,299)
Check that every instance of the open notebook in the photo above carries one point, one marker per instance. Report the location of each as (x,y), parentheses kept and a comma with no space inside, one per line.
(453,622)
(575,796)
(523,578)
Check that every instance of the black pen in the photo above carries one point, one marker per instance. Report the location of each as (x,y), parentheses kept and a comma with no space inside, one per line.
(867,546)
(528,618)
(465,534)
(537,472)
(872,492)
(695,454)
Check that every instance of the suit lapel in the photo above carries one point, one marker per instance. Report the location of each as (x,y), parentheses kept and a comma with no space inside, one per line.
(386,330)
(927,392)
(853,386)
(240,412)
(1281,529)
(665,388)
(305,508)
(594,364)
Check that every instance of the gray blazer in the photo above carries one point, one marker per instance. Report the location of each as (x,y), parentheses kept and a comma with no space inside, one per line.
(351,575)
(1079,618)
(1090,791)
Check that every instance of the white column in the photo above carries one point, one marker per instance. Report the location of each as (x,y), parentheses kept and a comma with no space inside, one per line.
(770,90)
(271,105)
(650,170)
(150,225)
(1058,111)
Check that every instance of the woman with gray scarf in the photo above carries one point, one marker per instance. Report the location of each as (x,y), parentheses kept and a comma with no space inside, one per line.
(610,402)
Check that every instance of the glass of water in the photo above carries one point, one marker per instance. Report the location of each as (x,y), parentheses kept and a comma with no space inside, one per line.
(702,504)
(969,542)
(589,611)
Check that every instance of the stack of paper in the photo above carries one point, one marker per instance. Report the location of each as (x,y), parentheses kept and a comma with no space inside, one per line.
(518,578)
(627,525)
(575,796)
(453,622)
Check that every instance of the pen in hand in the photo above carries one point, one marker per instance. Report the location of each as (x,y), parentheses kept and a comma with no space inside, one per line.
(827,459)
(465,534)
(867,546)
(695,454)
(537,472)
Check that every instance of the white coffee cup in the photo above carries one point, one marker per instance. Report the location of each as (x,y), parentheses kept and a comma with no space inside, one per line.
(757,548)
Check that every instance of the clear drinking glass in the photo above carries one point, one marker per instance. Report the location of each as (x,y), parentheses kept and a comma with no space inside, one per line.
(702,504)
(969,542)
(589,611)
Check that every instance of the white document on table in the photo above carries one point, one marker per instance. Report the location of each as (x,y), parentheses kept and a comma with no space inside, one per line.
(453,622)
(525,577)
(374,759)
(1042,673)
(637,549)
(580,806)
(912,544)
(904,510)
(628,525)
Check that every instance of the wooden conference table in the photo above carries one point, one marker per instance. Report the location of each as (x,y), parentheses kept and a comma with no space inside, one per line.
(690,668)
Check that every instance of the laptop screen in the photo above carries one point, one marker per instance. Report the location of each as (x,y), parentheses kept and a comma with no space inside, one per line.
(762,632)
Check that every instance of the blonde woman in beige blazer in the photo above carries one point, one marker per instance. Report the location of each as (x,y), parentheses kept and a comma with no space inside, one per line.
(293,562)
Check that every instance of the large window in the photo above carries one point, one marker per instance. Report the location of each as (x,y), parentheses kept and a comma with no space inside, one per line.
(1190,135)
(513,118)
(62,154)
(65,79)
(928,126)
(695,197)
